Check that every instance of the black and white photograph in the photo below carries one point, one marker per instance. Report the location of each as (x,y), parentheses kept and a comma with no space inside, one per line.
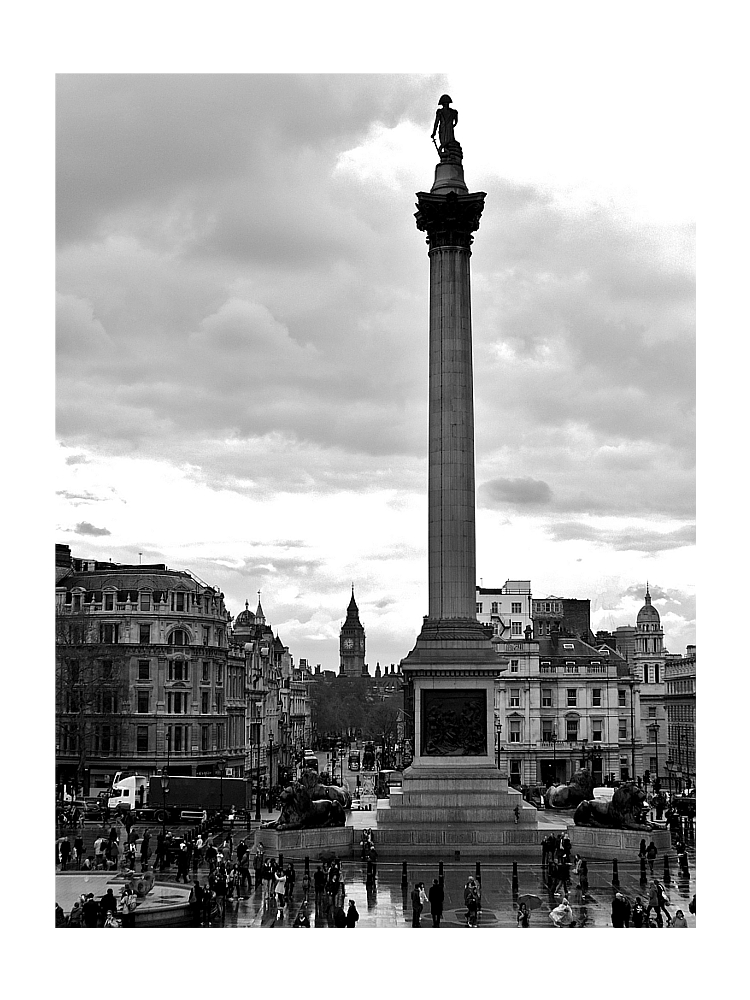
(374,476)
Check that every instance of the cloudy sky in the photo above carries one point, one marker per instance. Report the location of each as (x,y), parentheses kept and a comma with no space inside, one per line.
(241,364)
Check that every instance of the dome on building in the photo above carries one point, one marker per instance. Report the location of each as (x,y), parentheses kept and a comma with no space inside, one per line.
(245,617)
(648,615)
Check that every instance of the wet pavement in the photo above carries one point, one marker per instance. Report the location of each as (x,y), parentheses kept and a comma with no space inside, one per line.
(386,904)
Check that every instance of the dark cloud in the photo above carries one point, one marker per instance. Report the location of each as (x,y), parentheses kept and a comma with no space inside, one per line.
(229,298)
(624,539)
(514,492)
(84,528)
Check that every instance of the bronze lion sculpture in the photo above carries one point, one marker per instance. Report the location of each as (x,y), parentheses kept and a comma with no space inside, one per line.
(623,812)
(300,811)
(579,788)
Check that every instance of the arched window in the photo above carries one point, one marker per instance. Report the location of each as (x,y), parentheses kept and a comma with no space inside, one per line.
(178,638)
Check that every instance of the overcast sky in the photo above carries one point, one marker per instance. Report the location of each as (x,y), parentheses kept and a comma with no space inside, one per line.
(242,337)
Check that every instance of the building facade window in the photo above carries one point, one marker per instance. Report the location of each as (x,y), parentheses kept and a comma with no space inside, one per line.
(546,697)
(515,628)
(621,697)
(596,697)
(622,729)
(109,602)
(515,698)
(141,739)
(206,672)
(515,772)
(205,738)
(514,666)
(494,608)
(144,634)
(219,703)
(143,702)
(178,637)
(145,602)
(219,673)
(179,738)
(205,698)
(178,670)
(144,670)
(220,736)
(597,728)
(572,697)
(177,702)
(515,608)
(206,635)
(109,632)
(571,730)
(652,711)
(547,730)
(479,609)
(515,730)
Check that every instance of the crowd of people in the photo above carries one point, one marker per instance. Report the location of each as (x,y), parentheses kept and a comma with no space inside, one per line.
(108,911)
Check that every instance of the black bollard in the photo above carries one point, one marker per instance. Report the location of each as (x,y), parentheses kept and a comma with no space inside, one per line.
(441,875)
(370,872)
(307,865)
(643,871)
(404,876)
(281,860)
(667,875)
(615,876)
(514,882)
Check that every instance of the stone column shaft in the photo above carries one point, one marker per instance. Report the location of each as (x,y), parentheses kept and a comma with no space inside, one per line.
(451,531)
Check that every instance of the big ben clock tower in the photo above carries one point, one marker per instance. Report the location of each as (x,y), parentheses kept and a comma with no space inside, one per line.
(352,644)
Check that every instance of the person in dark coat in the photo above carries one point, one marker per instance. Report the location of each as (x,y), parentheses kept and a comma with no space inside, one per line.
(107,904)
(339,917)
(436,896)
(302,919)
(64,854)
(352,915)
(651,853)
(620,911)
(183,863)
(90,910)
(78,848)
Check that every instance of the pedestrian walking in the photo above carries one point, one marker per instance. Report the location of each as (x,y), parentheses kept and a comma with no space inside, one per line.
(352,915)
(183,863)
(523,916)
(306,887)
(658,900)
(244,867)
(126,907)
(638,914)
(651,853)
(436,896)
(319,882)
(78,848)
(280,890)
(472,900)
(620,911)
(64,854)
(416,906)
(195,902)
(642,849)
(679,919)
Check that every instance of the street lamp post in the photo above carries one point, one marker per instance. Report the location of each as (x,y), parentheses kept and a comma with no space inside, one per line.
(631,682)
(654,727)
(270,770)
(221,767)
(164,779)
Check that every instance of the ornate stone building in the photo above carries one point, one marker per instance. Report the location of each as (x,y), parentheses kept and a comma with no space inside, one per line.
(278,719)
(562,704)
(680,681)
(143,674)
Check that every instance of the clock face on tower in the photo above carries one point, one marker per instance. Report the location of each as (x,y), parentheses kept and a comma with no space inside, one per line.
(348,643)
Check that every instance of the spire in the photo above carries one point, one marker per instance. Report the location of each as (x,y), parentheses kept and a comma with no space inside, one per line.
(259,613)
(648,595)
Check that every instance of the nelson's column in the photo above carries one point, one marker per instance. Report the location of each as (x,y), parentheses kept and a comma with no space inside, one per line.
(453,794)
